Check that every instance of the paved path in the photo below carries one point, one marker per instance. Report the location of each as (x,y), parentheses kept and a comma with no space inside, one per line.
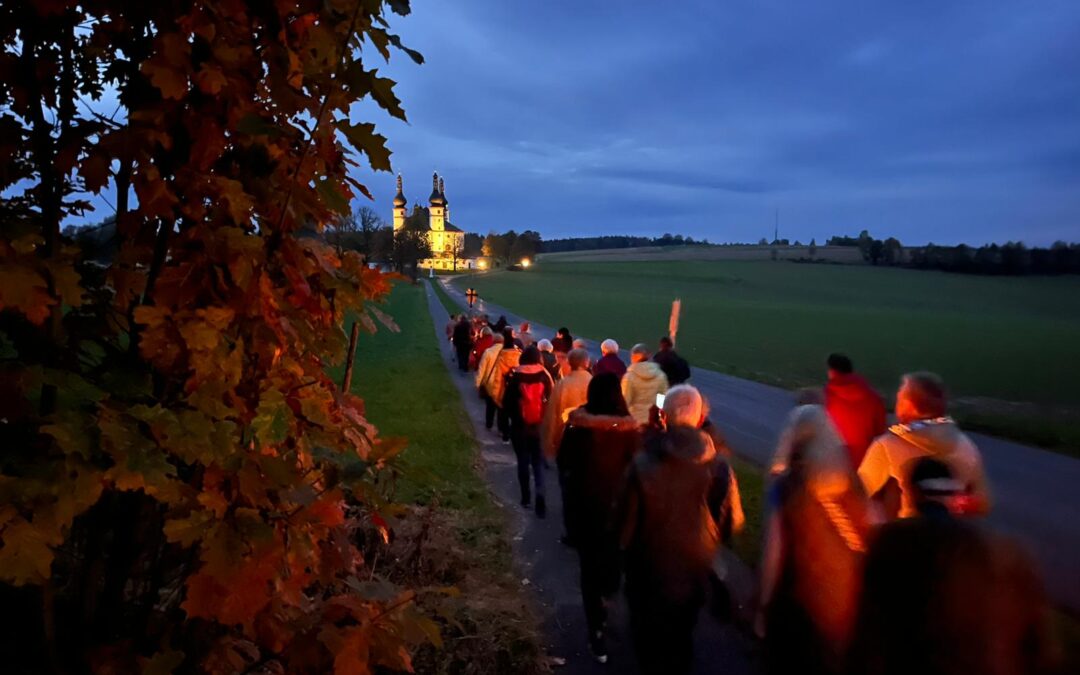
(1037,493)
(551,569)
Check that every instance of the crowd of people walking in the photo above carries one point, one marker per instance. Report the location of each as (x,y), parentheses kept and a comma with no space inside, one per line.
(874,560)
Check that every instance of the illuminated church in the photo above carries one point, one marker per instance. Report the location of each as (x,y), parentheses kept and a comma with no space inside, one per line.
(446,240)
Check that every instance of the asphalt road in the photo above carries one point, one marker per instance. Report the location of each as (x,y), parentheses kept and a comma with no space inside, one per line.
(550,571)
(1036,493)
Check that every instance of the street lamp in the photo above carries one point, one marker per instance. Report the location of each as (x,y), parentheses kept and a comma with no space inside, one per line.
(482,264)
(525,262)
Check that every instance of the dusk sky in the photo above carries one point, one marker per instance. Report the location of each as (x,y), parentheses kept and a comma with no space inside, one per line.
(930,121)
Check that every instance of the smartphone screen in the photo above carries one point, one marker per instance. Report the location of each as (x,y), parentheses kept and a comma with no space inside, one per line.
(660,401)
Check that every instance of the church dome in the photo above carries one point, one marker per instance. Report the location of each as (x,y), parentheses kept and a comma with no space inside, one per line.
(399,198)
(437,198)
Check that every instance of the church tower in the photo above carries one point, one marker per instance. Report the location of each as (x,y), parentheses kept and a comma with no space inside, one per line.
(437,206)
(445,201)
(399,206)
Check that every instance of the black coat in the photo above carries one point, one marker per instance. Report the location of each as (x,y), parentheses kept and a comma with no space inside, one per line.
(671,515)
(595,453)
(462,335)
(674,366)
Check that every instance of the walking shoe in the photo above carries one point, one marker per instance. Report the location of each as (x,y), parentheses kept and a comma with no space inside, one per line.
(598,648)
(526,501)
(567,540)
(541,506)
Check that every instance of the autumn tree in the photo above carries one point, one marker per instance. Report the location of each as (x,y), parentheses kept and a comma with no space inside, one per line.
(410,245)
(172,497)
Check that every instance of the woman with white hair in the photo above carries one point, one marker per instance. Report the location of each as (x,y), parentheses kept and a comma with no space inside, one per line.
(671,519)
(609,361)
(549,360)
(815,543)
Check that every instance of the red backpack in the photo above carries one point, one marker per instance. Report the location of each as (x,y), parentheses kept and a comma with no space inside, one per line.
(531,402)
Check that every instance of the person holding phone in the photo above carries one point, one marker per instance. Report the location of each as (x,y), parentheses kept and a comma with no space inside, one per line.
(643,382)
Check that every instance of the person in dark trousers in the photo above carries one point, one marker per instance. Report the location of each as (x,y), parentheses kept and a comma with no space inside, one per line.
(495,364)
(855,408)
(528,388)
(943,595)
(674,366)
(670,521)
(462,338)
(599,441)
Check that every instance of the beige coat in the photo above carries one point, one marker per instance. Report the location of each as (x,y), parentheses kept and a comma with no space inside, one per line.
(569,393)
(640,385)
(491,374)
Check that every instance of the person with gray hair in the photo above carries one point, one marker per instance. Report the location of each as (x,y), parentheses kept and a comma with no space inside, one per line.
(642,382)
(674,507)
(549,360)
(609,360)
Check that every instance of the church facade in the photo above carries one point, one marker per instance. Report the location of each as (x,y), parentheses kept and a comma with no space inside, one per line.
(446,240)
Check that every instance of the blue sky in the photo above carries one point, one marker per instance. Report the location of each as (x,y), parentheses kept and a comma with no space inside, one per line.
(931,121)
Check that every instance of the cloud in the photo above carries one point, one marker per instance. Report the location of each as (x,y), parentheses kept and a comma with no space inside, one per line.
(951,121)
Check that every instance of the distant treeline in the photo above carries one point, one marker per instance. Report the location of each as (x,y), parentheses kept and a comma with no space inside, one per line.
(1011,258)
(616,241)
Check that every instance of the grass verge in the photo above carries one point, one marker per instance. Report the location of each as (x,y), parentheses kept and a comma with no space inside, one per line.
(450,535)
(451,307)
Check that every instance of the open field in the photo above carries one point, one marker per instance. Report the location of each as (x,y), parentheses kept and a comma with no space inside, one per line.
(837,254)
(1006,346)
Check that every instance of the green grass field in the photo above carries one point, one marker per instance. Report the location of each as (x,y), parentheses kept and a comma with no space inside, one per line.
(1007,347)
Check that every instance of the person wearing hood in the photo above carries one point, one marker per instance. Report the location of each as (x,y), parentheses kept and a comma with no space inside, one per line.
(609,361)
(670,520)
(599,441)
(527,392)
(495,365)
(924,430)
(674,366)
(815,541)
(855,408)
(643,380)
(500,325)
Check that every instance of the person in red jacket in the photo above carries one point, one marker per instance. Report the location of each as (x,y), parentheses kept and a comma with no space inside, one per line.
(855,408)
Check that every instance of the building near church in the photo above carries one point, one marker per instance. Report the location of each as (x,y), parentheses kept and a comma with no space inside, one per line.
(446,240)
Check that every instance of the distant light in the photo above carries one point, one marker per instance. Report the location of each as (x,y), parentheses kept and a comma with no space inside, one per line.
(482,264)
(525,262)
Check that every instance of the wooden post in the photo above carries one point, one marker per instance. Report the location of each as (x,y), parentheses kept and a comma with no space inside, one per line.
(351,357)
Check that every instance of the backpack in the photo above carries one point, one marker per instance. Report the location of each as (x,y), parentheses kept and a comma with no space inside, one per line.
(531,402)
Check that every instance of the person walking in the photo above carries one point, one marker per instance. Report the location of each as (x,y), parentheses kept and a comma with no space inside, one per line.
(569,393)
(528,389)
(463,343)
(855,408)
(670,520)
(500,325)
(674,366)
(924,430)
(943,595)
(549,360)
(563,342)
(642,382)
(600,440)
(609,360)
(815,541)
(495,365)
(485,340)
(525,335)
